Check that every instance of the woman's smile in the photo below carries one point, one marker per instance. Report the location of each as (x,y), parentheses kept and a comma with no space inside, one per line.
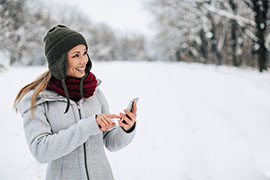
(81,69)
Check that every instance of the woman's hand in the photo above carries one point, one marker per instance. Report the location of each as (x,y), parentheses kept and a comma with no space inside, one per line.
(129,122)
(104,122)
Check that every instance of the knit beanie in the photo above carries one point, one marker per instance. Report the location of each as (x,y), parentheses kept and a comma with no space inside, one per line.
(58,41)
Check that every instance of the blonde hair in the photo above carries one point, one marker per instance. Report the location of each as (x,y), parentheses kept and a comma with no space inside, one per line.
(38,85)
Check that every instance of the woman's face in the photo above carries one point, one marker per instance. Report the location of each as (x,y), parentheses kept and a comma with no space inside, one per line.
(77,59)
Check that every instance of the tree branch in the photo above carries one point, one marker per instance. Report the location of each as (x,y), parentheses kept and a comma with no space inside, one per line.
(239,19)
(249,4)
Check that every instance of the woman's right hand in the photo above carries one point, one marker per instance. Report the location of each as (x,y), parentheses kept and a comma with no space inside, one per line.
(104,121)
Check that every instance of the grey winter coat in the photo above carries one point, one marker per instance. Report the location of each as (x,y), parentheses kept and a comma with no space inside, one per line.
(71,143)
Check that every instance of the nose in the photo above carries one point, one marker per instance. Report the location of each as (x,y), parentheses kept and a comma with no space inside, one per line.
(84,59)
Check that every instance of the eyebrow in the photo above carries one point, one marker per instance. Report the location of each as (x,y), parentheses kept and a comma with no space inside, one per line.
(77,51)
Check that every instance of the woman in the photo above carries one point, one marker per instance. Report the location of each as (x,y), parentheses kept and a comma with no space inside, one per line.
(66,116)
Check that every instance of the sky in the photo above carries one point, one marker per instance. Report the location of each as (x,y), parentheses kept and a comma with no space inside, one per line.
(126,16)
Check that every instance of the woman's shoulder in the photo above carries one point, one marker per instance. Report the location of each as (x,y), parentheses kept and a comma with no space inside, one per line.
(98,88)
(97,91)
(25,103)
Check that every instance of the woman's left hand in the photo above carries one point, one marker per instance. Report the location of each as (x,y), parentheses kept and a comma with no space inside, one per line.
(129,122)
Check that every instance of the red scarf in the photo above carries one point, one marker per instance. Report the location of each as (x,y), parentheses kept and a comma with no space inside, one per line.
(73,86)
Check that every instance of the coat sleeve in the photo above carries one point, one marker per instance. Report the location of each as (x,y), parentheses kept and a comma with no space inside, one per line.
(116,138)
(46,146)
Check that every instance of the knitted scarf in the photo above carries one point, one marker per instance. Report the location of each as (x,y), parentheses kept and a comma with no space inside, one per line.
(73,86)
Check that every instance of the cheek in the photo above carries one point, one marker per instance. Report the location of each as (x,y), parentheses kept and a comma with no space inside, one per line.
(69,70)
(71,67)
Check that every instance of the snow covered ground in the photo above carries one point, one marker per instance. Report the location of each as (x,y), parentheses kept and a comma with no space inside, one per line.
(195,122)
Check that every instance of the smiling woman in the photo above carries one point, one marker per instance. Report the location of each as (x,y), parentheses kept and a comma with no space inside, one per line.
(71,142)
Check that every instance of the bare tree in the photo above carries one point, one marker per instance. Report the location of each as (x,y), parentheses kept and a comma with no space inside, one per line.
(261,8)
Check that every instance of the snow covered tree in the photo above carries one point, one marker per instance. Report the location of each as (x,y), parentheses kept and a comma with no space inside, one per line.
(214,31)
(254,27)
(22,26)
(11,19)
(190,28)
(131,47)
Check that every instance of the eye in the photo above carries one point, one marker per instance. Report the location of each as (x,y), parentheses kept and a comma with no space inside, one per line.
(75,56)
(85,53)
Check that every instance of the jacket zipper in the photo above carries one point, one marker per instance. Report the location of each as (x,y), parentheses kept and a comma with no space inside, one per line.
(84,146)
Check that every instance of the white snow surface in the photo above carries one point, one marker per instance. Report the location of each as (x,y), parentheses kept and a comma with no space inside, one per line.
(195,122)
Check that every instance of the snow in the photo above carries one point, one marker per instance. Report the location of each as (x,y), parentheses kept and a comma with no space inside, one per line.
(209,35)
(195,122)
(262,25)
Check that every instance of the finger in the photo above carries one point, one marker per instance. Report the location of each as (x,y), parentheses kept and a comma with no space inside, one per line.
(134,108)
(111,116)
(128,121)
(102,122)
(111,123)
(125,126)
(130,114)
(102,125)
(107,128)
(106,122)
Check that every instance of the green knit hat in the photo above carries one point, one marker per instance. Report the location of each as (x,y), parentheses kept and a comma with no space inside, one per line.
(58,41)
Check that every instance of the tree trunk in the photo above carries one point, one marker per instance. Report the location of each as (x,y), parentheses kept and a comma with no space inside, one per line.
(214,41)
(12,60)
(178,55)
(261,8)
(233,36)
(234,43)
(203,47)
(240,56)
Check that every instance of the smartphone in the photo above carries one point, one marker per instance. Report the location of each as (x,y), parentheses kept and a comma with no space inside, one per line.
(130,107)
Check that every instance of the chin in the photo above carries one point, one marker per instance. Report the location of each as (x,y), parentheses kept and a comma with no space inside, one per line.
(80,76)
(76,75)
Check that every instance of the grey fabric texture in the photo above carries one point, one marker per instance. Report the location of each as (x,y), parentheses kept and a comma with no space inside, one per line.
(58,139)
